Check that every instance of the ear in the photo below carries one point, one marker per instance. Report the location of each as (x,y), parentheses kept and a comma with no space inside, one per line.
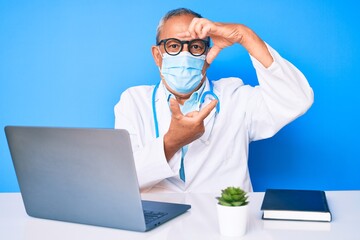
(156,55)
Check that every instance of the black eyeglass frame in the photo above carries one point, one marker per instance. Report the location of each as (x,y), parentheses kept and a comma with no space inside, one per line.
(206,43)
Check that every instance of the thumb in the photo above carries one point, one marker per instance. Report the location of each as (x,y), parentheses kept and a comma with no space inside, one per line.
(214,51)
(175,108)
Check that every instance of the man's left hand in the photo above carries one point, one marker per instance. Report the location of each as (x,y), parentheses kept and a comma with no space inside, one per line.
(226,34)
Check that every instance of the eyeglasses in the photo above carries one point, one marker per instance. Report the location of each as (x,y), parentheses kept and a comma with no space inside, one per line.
(174,46)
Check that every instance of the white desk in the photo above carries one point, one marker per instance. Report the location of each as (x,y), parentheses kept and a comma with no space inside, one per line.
(199,223)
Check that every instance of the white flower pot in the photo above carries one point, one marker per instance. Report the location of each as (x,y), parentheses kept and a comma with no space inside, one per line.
(232,220)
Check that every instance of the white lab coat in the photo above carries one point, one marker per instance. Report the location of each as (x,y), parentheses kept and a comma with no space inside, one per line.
(219,158)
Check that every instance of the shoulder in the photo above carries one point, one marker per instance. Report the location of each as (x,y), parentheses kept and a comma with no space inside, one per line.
(233,90)
(230,84)
(135,96)
(143,91)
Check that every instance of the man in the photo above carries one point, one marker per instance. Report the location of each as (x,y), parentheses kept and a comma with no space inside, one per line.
(190,134)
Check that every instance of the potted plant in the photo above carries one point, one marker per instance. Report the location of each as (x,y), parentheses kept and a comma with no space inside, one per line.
(232,210)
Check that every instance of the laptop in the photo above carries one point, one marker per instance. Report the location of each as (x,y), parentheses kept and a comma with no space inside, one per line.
(84,176)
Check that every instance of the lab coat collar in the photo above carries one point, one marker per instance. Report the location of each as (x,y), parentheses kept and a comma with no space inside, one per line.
(210,119)
(162,109)
(195,96)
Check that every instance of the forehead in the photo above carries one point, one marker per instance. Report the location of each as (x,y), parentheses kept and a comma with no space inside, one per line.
(175,25)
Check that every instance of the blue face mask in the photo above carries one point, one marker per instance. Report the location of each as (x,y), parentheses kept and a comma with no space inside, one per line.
(183,72)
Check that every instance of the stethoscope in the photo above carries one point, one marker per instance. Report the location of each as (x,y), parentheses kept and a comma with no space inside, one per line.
(202,99)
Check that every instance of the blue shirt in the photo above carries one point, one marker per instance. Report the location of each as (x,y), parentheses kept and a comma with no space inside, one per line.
(190,105)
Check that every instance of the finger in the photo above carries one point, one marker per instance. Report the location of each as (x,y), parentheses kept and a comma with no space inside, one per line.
(214,51)
(198,28)
(193,26)
(175,108)
(207,110)
(205,31)
(203,27)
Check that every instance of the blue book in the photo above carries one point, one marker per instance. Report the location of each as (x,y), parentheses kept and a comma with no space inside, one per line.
(301,205)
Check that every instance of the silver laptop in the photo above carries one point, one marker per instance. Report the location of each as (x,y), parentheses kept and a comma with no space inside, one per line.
(83,176)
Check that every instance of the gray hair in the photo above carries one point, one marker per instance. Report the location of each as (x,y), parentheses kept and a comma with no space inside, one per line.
(173,13)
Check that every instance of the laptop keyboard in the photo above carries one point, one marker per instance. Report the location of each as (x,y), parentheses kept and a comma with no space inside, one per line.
(152,215)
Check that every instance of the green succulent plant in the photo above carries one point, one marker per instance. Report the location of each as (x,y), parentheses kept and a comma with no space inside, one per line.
(232,197)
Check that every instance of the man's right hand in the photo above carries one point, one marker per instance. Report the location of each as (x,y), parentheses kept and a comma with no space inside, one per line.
(184,129)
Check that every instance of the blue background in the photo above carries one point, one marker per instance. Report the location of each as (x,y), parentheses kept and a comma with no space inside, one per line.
(65,63)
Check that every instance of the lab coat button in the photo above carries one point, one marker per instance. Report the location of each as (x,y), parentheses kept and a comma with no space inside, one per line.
(207,142)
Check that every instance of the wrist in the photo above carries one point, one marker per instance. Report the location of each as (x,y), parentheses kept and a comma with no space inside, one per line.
(170,148)
(247,36)
(256,47)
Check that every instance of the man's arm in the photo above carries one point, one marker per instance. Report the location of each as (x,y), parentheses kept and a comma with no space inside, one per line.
(184,128)
(283,93)
(151,164)
(151,154)
(224,35)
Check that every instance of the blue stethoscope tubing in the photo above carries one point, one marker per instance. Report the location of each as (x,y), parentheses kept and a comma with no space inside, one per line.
(202,99)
